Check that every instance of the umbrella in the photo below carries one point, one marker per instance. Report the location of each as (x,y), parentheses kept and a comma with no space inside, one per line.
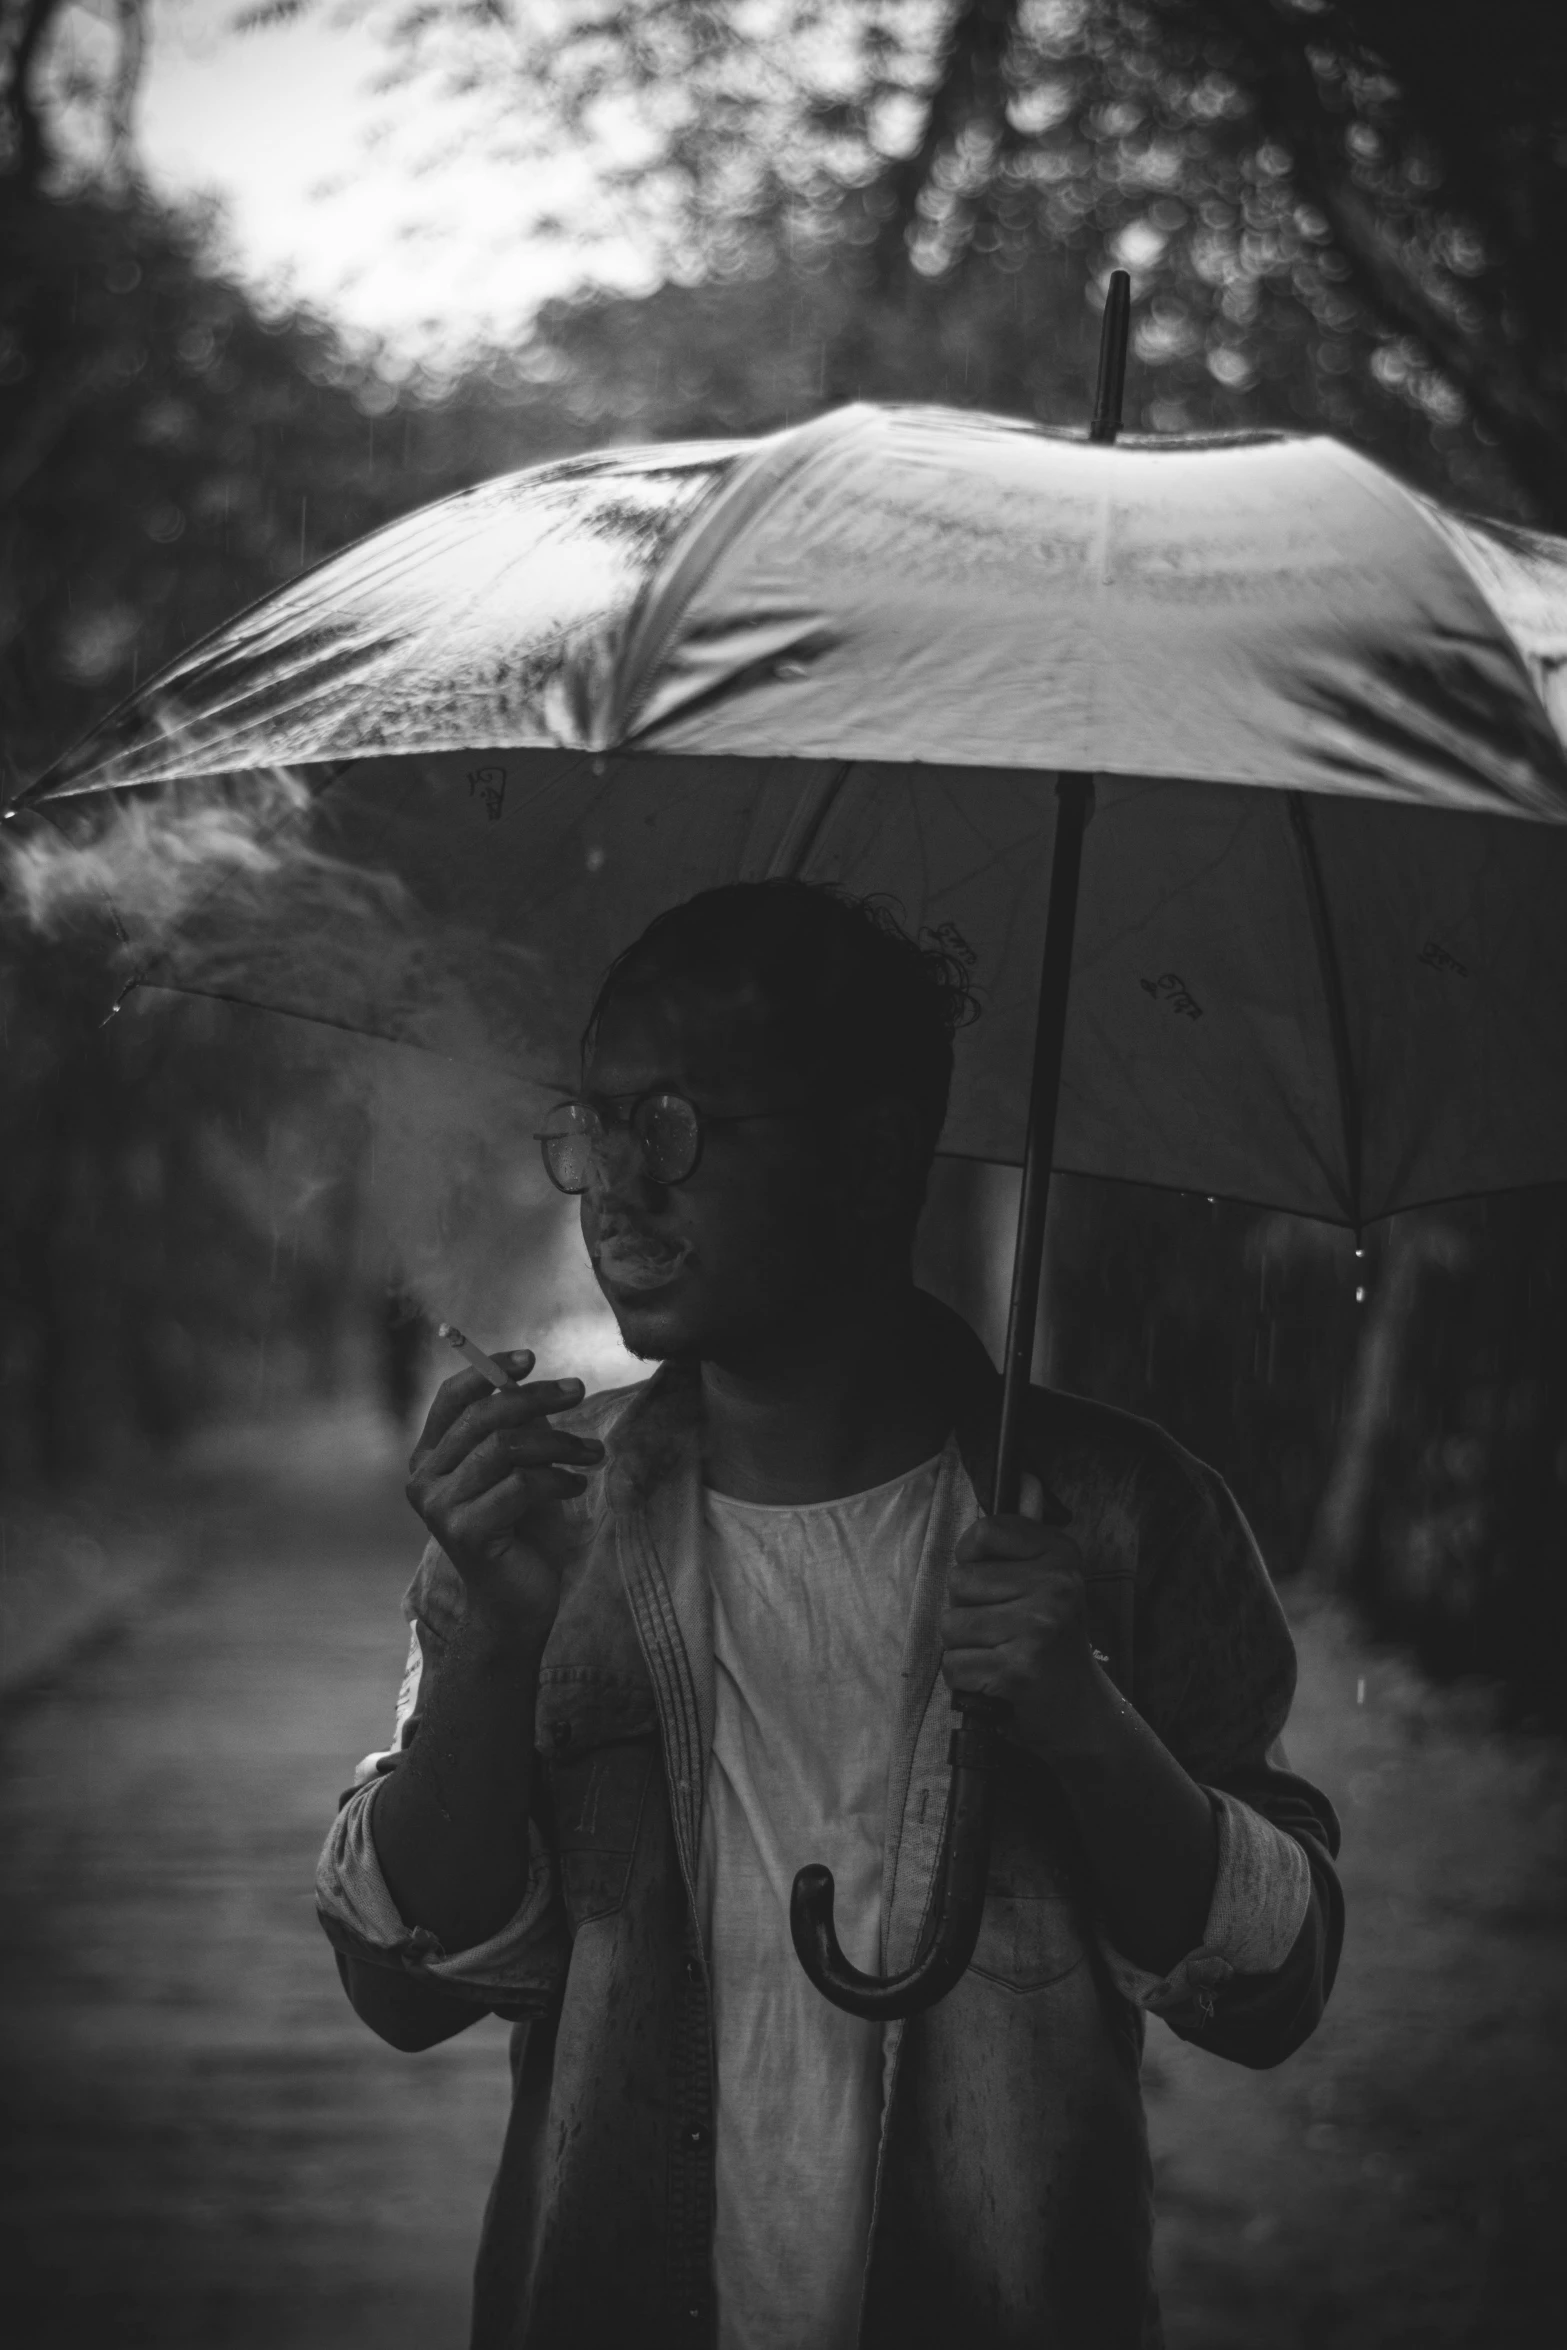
(1260,748)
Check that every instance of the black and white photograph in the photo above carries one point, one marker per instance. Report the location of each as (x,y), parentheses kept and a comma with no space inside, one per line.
(783,1174)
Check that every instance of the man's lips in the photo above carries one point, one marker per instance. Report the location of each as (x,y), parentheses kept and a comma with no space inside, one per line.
(635,1263)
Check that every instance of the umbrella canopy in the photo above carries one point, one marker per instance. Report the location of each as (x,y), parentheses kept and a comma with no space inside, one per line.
(1319,961)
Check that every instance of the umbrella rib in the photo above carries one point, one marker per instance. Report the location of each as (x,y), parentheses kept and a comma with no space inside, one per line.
(1332,976)
(248,1003)
(804,828)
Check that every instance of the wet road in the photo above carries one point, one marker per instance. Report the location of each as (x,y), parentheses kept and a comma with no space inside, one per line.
(204,2147)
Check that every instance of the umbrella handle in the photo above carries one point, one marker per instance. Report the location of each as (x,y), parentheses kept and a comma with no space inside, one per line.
(974,1753)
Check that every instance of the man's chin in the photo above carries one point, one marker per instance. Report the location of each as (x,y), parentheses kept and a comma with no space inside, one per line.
(671,1328)
(678,1323)
(653,1327)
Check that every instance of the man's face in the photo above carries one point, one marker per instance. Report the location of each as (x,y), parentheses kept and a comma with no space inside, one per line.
(740,1259)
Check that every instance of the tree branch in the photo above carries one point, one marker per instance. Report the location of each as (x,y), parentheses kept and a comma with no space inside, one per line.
(126,85)
(29,147)
(1275,64)
(969,85)
(1532,448)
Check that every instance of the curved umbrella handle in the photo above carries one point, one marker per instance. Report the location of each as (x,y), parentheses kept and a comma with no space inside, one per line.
(974,1752)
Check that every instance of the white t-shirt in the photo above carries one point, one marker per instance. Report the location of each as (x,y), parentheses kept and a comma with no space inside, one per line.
(810,1611)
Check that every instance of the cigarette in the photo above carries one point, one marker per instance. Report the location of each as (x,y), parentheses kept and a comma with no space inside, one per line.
(476,1355)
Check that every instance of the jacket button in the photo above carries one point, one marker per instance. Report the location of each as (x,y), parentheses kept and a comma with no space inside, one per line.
(696,2137)
(693,1970)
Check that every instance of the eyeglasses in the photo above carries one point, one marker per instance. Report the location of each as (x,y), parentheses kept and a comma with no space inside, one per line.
(665,1129)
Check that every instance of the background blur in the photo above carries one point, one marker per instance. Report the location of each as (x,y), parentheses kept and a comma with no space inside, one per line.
(271,275)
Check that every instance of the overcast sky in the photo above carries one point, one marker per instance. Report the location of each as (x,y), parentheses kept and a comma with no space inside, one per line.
(278,123)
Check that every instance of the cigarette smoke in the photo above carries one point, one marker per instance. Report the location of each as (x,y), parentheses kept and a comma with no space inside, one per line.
(215,889)
(459,1204)
(144,859)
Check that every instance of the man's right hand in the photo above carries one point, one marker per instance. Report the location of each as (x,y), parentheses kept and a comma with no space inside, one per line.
(488,1477)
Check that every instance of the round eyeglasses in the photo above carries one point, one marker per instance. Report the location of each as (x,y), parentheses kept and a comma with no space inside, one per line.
(665,1130)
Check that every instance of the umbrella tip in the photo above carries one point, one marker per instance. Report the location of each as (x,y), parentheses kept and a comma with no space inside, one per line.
(1113,334)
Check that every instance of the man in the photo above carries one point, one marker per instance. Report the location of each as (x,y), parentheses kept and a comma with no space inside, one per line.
(673,1643)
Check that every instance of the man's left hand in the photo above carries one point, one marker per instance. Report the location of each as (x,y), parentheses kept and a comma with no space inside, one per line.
(1016,1626)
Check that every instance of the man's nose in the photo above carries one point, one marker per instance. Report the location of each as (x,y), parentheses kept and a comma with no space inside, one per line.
(616,1173)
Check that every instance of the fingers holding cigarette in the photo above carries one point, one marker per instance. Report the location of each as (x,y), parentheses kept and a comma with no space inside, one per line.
(492,1459)
(483,1412)
(491,1471)
(551,1462)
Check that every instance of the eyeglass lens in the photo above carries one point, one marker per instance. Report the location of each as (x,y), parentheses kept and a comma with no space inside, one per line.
(664,1127)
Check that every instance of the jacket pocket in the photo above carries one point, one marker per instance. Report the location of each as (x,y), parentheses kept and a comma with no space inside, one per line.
(1031,1930)
(600,1748)
(1028,1940)
(598,1798)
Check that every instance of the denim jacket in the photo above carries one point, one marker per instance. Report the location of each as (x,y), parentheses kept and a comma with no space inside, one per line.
(1013,2195)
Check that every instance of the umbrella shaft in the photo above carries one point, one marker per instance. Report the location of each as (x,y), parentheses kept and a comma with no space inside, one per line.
(1074,794)
(1113,334)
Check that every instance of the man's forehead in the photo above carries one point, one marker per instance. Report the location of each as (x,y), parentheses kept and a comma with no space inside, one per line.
(659,1030)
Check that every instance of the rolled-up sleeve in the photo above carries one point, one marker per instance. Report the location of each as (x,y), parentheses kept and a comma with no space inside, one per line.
(1215,1678)
(518,1970)
(1266,1919)
(1261,1891)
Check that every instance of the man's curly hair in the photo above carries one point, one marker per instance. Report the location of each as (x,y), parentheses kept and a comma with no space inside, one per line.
(861,1007)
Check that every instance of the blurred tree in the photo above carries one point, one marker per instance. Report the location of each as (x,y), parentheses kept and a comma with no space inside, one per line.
(1236,1331)
(171,1216)
(175,1215)
(1431,143)
(1464,1548)
(168,452)
(1400,190)
(75,63)
(1330,215)
(24,26)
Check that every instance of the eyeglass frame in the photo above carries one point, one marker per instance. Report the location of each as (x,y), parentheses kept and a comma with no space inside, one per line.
(657,1093)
